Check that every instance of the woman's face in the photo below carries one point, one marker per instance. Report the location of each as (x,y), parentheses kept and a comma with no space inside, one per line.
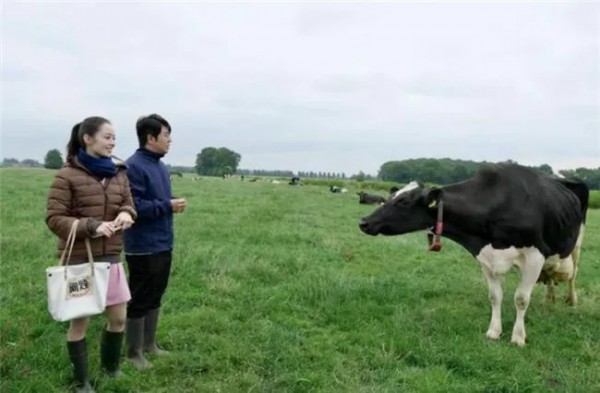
(102,143)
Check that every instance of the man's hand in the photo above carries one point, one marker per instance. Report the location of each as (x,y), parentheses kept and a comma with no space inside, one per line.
(178,205)
(123,220)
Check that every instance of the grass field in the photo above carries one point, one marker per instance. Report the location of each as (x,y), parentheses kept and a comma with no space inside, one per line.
(274,289)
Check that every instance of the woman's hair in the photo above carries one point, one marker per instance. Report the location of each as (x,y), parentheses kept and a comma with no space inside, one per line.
(89,126)
(150,125)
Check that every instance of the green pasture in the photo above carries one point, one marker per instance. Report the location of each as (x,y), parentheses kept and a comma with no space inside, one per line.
(274,289)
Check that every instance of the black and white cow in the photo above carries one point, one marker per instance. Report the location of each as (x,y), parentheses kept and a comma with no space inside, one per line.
(338,190)
(369,199)
(506,215)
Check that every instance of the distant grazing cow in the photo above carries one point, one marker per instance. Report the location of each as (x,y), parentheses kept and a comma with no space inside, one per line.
(173,174)
(295,181)
(506,215)
(337,190)
(369,199)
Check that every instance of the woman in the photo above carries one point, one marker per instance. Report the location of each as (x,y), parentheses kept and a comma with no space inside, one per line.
(92,189)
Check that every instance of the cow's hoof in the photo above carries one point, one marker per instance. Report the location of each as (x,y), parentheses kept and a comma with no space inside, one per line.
(520,341)
(493,335)
(571,301)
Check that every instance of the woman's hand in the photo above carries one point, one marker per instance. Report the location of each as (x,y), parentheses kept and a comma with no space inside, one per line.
(106,229)
(123,221)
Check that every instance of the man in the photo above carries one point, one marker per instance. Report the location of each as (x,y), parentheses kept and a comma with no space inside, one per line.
(149,242)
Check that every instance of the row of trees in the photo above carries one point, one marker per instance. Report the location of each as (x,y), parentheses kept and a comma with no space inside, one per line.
(180,169)
(26,163)
(322,175)
(212,161)
(221,161)
(590,176)
(53,160)
(446,170)
(439,171)
(288,173)
(265,172)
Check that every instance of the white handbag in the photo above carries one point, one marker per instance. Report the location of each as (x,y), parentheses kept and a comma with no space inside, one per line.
(77,291)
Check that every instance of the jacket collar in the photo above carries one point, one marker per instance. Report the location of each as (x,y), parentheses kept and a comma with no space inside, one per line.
(150,154)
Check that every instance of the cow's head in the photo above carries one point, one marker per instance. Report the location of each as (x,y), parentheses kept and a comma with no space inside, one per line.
(410,209)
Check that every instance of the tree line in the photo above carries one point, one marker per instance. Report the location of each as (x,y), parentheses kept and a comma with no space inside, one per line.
(26,163)
(212,161)
(591,177)
(53,160)
(446,171)
(289,173)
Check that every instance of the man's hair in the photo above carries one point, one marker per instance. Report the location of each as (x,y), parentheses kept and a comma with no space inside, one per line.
(150,125)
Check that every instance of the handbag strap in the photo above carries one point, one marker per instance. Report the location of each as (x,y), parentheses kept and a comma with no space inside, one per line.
(69,244)
(88,247)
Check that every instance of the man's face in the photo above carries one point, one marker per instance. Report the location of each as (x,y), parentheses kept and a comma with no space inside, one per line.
(161,143)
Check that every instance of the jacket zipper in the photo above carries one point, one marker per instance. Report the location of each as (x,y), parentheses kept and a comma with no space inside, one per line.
(104,188)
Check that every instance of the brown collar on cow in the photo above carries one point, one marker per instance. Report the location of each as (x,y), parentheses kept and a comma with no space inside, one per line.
(435,238)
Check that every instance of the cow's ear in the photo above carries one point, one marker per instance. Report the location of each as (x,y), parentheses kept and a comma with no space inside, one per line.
(432,196)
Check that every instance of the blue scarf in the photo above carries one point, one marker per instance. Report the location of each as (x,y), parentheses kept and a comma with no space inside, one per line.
(100,167)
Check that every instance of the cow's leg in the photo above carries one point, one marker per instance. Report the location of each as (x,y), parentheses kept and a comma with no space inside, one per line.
(575,255)
(572,295)
(530,271)
(495,293)
(567,271)
(550,296)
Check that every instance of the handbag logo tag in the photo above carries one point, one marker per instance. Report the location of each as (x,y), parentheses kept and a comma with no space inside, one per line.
(78,287)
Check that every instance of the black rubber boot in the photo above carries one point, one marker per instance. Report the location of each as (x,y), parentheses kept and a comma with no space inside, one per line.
(150,326)
(78,357)
(134,333)
(110,353)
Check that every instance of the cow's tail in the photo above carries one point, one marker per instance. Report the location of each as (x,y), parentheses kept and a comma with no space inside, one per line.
(581,190)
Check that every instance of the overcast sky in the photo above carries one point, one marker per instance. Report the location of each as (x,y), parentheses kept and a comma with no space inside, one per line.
(337,87)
